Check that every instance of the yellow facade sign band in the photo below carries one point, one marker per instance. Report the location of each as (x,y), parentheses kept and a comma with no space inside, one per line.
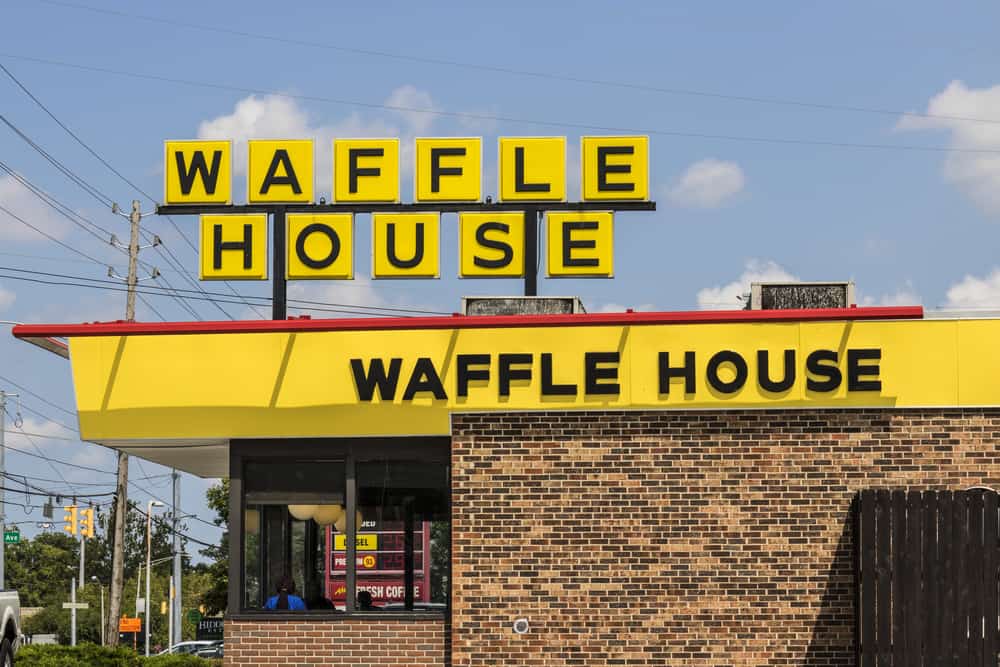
(409,382)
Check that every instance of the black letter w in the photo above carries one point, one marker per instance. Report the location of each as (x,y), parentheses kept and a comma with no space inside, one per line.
(376,377)
(209,177)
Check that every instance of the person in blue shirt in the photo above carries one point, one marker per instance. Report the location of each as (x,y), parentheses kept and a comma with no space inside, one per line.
(286,598)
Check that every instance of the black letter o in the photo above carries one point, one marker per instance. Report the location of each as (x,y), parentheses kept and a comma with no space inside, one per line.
(300,246)
(712,372)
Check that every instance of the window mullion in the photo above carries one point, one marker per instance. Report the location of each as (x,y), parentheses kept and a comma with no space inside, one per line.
(351,530)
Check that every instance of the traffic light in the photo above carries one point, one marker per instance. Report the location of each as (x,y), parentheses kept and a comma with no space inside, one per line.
(163,608)
(87,522)
(70,519)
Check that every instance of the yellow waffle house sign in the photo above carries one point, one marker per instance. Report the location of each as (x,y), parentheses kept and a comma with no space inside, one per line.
(448,176)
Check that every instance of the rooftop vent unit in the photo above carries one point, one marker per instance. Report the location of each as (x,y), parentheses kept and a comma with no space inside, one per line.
(521,305)
(788,296)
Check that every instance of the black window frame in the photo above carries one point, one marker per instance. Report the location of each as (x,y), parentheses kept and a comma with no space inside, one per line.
(351,450)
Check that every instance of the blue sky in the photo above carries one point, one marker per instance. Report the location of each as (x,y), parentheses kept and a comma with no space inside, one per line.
(746,189)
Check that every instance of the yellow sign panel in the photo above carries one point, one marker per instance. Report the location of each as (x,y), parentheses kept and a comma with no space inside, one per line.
(448,169)
(366,170)
(491,245)
(198,172)
(320,246)
(233,247)
(615,168)
(365,542)
(580,245)
(405,245)
(280,171)
(532,168)
(409,382)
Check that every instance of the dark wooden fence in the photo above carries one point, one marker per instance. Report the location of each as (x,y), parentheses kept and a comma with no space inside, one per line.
(927,578)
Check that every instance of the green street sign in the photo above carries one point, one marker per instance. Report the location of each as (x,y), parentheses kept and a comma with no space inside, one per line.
(12,537)
(194,616)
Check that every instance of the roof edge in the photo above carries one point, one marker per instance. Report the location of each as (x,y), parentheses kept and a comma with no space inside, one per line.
(122,328)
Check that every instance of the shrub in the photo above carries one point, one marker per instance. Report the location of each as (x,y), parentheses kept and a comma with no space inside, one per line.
(76,656)
(91,655)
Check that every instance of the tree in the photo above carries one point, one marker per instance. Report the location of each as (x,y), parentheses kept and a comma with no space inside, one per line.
(216,596)
(99,550)
(440,560)
(40,569)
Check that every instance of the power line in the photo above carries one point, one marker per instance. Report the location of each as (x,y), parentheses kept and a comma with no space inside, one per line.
(60,462)
(74,494)
(63,126)
(511,119)
(38,396)
(83,467)
(71,429)
(69,173)
(56,481)
(39,450)
(117,173)
(150,306)
(352,309)
(52,238)
(60,208)
(163,522)
(495,69)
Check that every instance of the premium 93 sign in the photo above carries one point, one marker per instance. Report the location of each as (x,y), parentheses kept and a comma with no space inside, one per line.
(496,239)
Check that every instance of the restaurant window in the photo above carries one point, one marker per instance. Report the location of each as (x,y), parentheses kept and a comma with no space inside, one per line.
(295,527)
(290,506)
(403,545)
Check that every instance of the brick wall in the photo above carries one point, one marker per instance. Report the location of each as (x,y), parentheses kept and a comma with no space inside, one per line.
(681,538)
(357,642)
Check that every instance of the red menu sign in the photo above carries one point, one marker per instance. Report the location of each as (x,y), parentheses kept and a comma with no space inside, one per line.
(380,571)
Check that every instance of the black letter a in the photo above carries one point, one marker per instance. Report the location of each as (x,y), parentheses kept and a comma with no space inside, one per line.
(272,178)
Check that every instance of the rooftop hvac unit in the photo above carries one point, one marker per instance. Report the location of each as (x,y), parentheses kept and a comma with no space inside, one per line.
(521,305)
(788,296)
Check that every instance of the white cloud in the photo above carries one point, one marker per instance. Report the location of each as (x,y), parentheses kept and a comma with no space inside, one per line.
(707,183)
(347,295)
(973,292)
(45,428)
(975,174)
(410,97)
(7,298)
(904,296)
(619,308)
(726,297)
(22,203)
(336,294)
(280,117)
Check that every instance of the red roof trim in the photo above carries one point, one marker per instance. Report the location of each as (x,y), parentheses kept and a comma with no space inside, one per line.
(464,322)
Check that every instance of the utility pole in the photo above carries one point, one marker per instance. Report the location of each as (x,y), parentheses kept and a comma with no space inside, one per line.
(83,550)
(121,491)
(72,599)
(176,599)
(3,472)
